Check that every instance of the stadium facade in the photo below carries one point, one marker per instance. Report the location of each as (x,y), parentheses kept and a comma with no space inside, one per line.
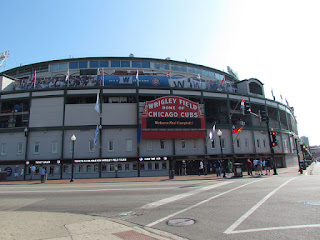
(134,117)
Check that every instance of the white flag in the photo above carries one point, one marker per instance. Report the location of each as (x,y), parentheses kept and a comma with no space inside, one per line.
(137,78)
(67,76)
(97,107)
(96,135)
(211,134)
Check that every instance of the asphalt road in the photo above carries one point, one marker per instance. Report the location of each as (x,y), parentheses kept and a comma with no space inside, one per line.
(268,207)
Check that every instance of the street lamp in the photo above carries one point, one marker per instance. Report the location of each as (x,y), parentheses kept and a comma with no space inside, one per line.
(73,139)
(219,133)
(296,137)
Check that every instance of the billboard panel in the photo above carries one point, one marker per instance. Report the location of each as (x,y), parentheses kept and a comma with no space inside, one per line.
(172,117)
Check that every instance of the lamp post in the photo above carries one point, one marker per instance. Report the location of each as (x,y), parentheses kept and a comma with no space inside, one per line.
(296,142)
(219,133)
(73,139)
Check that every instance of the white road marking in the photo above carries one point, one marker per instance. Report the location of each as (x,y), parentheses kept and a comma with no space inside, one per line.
(181,196)
(230,230)
(275,228)
(199,203)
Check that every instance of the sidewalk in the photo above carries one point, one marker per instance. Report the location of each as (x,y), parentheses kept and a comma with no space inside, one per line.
(290,170)
(67,226)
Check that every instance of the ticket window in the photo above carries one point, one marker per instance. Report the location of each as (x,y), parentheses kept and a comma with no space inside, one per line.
(149,165)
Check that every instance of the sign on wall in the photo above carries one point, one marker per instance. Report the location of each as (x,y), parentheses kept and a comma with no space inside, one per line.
(172,117)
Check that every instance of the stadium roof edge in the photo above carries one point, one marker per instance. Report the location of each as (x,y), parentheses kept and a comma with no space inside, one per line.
(120,58)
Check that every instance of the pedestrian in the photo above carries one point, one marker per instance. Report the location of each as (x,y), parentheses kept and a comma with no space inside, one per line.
(268,167)
(16,172)
(225,166)
(217,165)
(32,171)
(201,167)
(230,166)
(249,167)
(21,173)
(43,171)
(255,162)
(184,168)
(259,167)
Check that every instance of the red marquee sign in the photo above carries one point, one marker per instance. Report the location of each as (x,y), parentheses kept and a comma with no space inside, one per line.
(172,117)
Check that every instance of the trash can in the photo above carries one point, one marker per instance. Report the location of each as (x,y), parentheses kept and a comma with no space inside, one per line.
(238,170)
(171,174)
(43,178)
(3,176)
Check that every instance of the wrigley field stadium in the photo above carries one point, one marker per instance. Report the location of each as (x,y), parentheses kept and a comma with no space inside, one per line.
(107,117)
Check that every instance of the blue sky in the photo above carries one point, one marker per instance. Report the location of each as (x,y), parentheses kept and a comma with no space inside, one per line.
(274,41)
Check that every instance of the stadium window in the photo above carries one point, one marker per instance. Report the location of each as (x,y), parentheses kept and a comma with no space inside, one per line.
(174,67)
(149,165)
(238,143)
(88,168)
(258,143)
(104,64)
(111,167)
(164,165)
(3,148)
(36,148)
(115,63)
(223,143)
(145,64)
(213,144)
(141,166)
(91,146)
(110,145)
(96,168)
(161,143)
(183,144)
(198,71)
(65,168)
(156,165)
(83,64)
(195,143)
(74,65)
(104,167)
(125,64)
(80,168)
(94,64)
(135,166)
(191,70)
(264,143)
(126,167)
(58,67)
(20,147)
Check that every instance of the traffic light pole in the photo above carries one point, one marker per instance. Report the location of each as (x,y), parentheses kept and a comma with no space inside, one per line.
(266,119)
(271,149)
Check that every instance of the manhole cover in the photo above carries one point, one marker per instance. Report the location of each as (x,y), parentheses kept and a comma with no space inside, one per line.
(313,203)
(181,222)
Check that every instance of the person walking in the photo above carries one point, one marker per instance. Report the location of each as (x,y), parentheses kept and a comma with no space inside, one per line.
(268,167)
(200,167)
(217,165)
(249,167)
(32,171)
(21,173)
(184,168)
(230,167)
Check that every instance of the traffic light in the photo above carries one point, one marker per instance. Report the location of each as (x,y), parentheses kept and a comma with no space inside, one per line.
(247,108)
(274,139)
(264,116)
